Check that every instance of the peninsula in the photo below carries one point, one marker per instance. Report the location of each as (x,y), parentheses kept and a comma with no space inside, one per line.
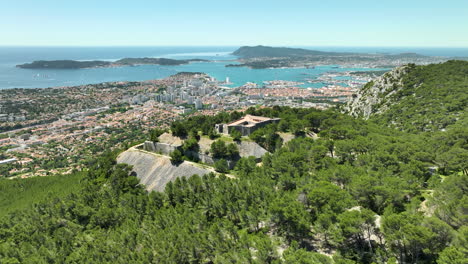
(261,57)
(265,51)
(73,64)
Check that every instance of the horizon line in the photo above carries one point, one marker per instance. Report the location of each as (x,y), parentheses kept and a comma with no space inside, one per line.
(282,46)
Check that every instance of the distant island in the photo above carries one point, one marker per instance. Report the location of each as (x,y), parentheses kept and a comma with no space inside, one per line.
(261,57)
(72,64)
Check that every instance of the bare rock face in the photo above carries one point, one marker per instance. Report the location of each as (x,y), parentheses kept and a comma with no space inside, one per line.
(375,96)
(155,171)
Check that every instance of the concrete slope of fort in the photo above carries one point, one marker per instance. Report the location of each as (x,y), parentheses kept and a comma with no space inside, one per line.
(155,171)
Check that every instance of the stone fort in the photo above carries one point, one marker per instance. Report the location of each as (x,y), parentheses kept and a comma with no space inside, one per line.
(246,125)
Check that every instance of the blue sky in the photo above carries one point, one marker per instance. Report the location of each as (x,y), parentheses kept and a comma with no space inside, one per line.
(405,23)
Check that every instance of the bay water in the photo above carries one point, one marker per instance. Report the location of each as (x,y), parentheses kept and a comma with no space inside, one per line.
(13,77)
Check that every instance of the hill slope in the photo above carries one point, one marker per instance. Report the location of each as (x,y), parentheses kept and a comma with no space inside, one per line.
(354,193)
(265,51)
(18,194)
(416,98)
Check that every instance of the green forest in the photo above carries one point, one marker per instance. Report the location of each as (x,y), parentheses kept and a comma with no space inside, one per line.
(344,190)
(430,98)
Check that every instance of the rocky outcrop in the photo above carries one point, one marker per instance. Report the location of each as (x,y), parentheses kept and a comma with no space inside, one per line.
(376,96)
(155,171)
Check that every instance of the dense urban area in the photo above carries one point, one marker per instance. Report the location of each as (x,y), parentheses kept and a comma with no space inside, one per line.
(52,130)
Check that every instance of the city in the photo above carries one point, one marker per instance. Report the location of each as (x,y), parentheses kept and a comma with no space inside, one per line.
(57,124)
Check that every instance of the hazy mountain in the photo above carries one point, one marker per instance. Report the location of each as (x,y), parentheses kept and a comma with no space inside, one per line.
(265,51)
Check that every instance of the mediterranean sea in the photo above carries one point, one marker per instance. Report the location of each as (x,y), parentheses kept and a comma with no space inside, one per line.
(13,77)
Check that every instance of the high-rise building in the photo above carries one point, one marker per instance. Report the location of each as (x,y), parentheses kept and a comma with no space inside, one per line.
(190,100)
(198,104)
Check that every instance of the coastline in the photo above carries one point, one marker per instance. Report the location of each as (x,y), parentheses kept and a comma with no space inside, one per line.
(13,77)
(125,62)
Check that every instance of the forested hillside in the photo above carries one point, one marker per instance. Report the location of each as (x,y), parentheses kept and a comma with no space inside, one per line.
(357,193)
(17,194)
(417,98)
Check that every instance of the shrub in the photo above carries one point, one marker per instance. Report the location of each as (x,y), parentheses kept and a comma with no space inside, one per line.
(176,157)
(221,166)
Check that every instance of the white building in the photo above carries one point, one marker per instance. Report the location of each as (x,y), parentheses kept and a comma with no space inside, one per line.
(198,104)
